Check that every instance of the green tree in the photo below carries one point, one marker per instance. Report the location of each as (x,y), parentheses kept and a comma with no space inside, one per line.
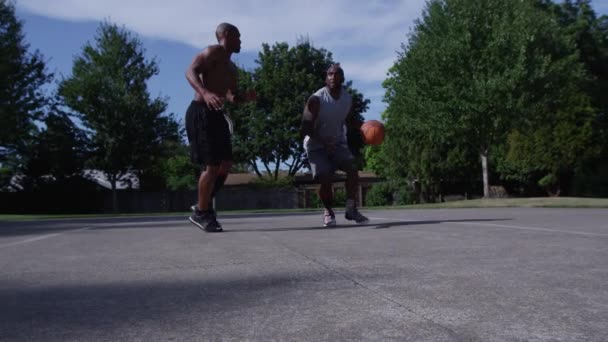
(164,143)
(267,132)
(57,154)
(591,36)
(472,72)
(108,91)
(566,137)
(180,172)
(22,97)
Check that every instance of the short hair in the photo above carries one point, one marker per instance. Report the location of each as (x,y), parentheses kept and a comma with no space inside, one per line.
(337,67)
(223,28)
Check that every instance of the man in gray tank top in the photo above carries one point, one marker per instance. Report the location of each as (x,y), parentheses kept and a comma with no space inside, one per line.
(326,114)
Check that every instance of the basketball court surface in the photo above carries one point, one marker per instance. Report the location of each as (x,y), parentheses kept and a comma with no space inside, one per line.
(504,274)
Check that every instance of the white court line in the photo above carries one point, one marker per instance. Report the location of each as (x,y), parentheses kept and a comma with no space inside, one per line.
(183,221)
(41,237)
(504,226)
(140,223)
(530,228)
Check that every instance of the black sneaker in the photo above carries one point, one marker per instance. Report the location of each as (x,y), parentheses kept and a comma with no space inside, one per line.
(194,209)
(205,221)
(352,214)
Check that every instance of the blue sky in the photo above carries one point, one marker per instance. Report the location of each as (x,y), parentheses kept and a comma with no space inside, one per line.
(363,35)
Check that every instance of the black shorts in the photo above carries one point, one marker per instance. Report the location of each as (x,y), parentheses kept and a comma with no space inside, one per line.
(208,135)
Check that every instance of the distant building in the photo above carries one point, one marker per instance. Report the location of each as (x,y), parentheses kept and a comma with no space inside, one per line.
(127,182)
(308,186)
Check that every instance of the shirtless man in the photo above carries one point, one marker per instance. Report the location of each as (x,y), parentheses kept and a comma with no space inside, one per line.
(214,79)
(326,114)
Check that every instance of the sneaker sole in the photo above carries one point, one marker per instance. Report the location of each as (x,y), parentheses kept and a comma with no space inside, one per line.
(333,224)
(219,229)
(360,222)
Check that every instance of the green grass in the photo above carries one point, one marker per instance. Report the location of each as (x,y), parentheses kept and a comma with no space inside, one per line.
(531,202)
(26,217)
(540,202)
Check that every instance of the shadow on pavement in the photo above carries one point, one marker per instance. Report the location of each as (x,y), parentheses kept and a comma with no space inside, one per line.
(379,225)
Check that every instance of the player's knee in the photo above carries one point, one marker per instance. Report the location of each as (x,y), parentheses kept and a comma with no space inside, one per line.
(225,167)
(213,170)
(323,177)
(348,166)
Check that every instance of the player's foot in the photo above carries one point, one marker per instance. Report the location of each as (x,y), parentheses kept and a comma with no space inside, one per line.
(194,209)
(329,218)
(352,214)
(214,214)
(205,221)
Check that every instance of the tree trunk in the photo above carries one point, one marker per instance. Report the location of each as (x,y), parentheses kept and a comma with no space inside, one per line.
(483,155)
(268,171)
(255,168)
(276,169)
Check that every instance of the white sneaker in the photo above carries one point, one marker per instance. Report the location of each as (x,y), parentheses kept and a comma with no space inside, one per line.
(329,219)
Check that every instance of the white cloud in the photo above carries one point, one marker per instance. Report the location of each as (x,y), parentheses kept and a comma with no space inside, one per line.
(362,34)
(368,70)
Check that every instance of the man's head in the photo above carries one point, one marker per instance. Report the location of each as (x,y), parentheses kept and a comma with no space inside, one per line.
(334,76)
(229,37)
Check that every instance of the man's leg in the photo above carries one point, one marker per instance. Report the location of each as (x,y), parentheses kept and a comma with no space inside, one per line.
(326,195)
(326,191)
(217,185)
(205,186)
(220,180)
(347,165)
(351,184)
(205,219)
(322,172)
(206,143)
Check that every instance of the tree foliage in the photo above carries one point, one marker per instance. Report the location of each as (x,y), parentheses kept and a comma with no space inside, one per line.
(267,132)
(22,96)
(108,91)
(472,73)
(57,154)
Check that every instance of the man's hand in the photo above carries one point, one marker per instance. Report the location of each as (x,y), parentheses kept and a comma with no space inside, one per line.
(213,101)
(250,95)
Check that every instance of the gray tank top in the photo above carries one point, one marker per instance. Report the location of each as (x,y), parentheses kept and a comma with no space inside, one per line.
(330,122)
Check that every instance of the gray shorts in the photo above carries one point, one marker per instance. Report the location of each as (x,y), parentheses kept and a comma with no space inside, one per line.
(321,164)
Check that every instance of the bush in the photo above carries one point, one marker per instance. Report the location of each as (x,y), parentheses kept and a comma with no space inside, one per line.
(339,199)
(591,182)
(548,181)
(390,193)
(380,194)
(180,173)
(271,183)
(404,195)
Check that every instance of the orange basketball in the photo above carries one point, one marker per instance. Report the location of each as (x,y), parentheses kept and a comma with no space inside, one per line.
(372,132)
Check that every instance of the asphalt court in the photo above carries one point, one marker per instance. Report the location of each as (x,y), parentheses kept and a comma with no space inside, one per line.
(500,274)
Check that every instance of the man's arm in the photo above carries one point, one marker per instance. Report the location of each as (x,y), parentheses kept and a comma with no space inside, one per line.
(199,66)
(311,112)
(352,121)
(238,98)
(233,95)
